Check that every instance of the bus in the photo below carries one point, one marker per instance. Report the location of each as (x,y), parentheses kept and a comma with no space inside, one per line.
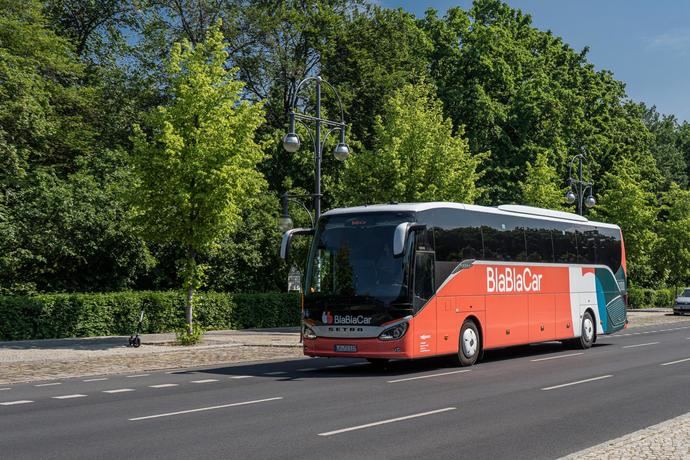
(406,281)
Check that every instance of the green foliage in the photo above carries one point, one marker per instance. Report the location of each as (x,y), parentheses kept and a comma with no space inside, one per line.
(81,315)
(673,254)
(197,169)
(417,156)
(629,203)
(185,336)
(540,187)
(650,298)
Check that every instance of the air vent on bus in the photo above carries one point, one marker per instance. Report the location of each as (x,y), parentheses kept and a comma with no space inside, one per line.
(541,212)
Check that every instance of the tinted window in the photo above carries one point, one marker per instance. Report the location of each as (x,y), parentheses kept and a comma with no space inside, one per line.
(539,245)
(457,237)
(587,244)
(423,278)
(609,248)
(504,237)
(564,243)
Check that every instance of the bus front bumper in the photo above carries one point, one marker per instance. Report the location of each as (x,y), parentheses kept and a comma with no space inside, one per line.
(357,348)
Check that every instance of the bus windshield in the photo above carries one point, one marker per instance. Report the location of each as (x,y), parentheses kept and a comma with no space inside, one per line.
(352,257)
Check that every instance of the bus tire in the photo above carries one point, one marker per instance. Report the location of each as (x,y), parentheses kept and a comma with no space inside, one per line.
(470,344)
(588,334)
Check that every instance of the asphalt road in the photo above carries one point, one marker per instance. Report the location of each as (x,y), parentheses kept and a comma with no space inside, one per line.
(540,401)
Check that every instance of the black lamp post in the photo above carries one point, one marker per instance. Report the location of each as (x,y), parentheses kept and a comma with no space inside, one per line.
(578,187)
(291,143)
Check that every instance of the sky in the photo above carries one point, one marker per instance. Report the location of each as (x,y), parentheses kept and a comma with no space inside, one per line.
(646,44)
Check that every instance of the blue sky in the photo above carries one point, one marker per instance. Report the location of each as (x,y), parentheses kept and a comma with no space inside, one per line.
(646,44)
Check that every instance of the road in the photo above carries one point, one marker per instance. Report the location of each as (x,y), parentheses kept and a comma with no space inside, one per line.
(539,401)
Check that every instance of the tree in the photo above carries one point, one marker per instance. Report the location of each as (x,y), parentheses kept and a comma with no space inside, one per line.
(629,203)
(417,156)
(540,187)
(674,235)
(197,167)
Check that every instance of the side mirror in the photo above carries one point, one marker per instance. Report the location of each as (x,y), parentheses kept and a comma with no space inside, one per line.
(401,233)
(287,240)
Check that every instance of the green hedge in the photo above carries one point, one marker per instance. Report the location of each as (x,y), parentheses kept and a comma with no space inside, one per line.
(82,315)
(650,298)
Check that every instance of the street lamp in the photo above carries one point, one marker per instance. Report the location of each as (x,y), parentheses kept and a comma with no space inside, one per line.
(578,187)
(291,143)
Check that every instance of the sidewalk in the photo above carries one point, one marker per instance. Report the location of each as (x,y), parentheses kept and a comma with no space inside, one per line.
(32,360)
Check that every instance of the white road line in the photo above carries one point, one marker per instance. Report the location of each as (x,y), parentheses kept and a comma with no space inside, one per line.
(119,390)
(427,376)
(137,375)
(676,362)
(205,409)
(577,383)
(337,366)
(275,373)
(100,379)
(644,332)
(13,403)
(556,357)
(48,384)
(5,389)
(308,369)
(69,396)
(205,381)
(383,422)
(164,385)
(641,345)
(241,376)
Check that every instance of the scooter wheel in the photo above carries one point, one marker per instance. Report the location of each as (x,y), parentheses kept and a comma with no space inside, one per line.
(136,343)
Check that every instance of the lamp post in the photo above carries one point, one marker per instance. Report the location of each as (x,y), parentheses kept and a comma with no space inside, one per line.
(291,143)
(578,186)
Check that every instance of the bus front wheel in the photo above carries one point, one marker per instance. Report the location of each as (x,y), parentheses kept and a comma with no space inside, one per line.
(470,346)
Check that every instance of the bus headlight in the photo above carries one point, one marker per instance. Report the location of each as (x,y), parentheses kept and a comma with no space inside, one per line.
(394,333)
(308,333)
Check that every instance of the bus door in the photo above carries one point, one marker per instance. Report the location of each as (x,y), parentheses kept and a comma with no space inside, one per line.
(423,300)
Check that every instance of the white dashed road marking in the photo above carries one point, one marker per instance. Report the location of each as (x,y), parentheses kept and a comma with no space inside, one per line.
(69,396)
(428,376)
(308,369)
(383,422)
(276,373)
(641,345)
(578,382)
(676,362)
(100,379)
(163,385)
(14,403)
(205,381)
(48,384)
(137,375)
(201,409)
(119,390)
(5,389)
(556,357)
(241,376)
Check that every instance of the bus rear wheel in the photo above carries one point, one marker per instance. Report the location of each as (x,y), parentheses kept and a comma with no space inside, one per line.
(470,344)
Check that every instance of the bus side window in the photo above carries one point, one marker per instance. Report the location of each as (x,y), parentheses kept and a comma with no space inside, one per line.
(504,237)
(564,244)
(539,245)
(609,248)
(587,245)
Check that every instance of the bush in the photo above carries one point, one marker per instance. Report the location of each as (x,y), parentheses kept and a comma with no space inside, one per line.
(650,298)
(81,315)
(184,337)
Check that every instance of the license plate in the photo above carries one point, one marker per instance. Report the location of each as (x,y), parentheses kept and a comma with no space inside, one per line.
(346,348)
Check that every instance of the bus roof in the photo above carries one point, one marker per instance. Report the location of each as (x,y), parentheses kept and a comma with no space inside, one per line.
(510,210)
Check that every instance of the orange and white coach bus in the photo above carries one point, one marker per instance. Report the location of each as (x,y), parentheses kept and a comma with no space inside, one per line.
(423,279)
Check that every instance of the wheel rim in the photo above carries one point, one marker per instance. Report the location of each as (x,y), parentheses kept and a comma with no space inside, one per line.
(469,342)
(588,329)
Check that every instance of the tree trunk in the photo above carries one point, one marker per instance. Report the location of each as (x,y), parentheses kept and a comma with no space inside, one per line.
(188,308)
